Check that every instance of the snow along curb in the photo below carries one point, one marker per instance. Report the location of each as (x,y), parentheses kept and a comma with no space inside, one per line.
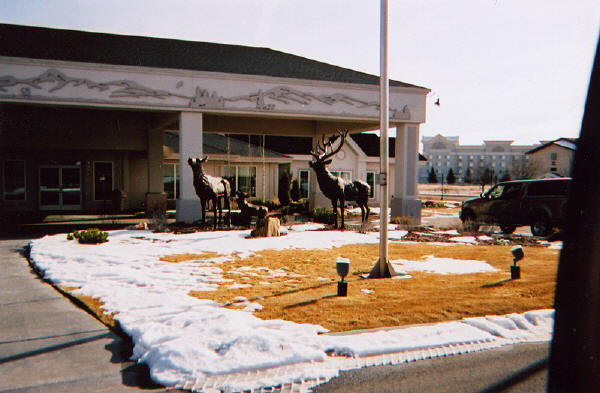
(288,379)
(200,345)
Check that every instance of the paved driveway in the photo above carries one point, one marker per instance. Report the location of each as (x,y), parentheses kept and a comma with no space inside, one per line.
(49,345)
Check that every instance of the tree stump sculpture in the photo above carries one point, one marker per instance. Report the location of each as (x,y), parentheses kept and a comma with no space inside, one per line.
(266,227)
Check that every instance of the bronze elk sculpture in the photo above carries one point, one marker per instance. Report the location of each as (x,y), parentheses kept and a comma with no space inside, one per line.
(248,210)
(210,188)
(334,187)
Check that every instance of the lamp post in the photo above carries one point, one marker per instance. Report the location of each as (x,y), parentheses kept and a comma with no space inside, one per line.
(518,254)
(342,266)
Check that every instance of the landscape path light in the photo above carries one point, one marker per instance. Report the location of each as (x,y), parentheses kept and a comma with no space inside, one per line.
(342,265)
(518,254)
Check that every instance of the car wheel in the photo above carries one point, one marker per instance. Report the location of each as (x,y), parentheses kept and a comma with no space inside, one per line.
(469,223)
(541,225)
(507,229)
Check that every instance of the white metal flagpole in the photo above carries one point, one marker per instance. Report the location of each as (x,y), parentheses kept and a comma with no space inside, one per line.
(382,269)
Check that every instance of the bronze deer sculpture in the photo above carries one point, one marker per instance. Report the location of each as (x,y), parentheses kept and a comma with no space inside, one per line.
(210,188)
(334,187)
(248,210)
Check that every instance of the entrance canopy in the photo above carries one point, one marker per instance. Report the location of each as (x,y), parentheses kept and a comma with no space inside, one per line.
(194,87)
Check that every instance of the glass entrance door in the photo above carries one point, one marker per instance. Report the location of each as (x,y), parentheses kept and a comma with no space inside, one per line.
(60,187)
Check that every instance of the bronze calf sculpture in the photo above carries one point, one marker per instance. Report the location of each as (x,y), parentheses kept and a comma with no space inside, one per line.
(334,187)
(248,210)
(210,188)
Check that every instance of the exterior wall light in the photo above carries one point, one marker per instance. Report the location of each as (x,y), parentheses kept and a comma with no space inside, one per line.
(342,265)
(518,254)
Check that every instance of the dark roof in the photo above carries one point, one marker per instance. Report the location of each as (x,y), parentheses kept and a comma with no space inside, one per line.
(281,144)
(369,143)
(567,143)
(218,144)
(74,45)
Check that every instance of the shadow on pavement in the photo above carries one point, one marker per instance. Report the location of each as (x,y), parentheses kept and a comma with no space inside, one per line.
(517,377)
(52,348)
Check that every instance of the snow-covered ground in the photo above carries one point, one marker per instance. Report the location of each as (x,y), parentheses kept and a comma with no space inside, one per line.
(186,341)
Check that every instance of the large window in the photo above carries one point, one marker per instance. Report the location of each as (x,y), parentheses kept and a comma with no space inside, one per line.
(242,178)
(103,180)
(304,176)
(346,175)
(171,180)
(14,180)
(371,183)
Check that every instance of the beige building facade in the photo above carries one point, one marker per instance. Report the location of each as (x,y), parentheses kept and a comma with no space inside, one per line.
(554,158)
(83,115)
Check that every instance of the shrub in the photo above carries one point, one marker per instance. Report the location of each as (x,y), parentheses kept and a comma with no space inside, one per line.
(324,215)
(402,220)
(284,189)
(432,204)
(450,178)
(271,205)
(90,236)
(158,218)
(295,193)
(287,210)
(432,176)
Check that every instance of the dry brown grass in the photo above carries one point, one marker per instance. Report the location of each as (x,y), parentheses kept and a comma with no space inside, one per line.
(306,293)
(94,305)
(428,212)
(450,189)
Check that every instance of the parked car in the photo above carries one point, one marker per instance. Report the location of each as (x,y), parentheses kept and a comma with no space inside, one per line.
(540,203)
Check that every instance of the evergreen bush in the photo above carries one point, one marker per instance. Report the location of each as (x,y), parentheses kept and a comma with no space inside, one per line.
(450,178)
(323,215)
(89,236)
(284,189)
(295,193)
(432,176)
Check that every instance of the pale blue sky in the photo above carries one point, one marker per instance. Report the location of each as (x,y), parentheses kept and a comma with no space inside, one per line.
(503,69)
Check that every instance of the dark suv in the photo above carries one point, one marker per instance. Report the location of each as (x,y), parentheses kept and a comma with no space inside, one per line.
(540,203)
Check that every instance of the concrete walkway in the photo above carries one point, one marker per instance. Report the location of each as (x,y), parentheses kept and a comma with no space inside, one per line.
(47,344)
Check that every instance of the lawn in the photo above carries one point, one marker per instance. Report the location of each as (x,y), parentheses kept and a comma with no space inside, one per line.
(260,303)
(306,293)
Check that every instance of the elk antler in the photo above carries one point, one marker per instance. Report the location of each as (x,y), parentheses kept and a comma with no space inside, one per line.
(320,151)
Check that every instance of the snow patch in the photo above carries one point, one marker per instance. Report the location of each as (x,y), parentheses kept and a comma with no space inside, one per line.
(432,264)
(185,340)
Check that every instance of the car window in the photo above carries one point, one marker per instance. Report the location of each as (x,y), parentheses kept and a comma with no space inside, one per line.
(495,192)
(511,191)
(556,187)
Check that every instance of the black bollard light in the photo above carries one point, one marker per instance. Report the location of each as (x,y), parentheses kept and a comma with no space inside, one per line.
(518,254)
(342,265)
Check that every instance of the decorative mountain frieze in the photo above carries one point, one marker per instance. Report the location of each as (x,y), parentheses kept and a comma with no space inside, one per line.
(279,98)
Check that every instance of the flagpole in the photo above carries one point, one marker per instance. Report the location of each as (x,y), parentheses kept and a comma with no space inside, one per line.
(384,150)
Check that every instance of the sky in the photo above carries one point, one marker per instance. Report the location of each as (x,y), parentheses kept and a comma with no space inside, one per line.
(502,69)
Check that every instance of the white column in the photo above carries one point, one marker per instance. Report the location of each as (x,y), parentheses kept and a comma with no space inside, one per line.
(405,202)
(155,197)
(190,145)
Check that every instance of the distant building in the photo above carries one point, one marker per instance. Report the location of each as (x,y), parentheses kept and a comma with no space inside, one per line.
(554,158)
(445,152)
